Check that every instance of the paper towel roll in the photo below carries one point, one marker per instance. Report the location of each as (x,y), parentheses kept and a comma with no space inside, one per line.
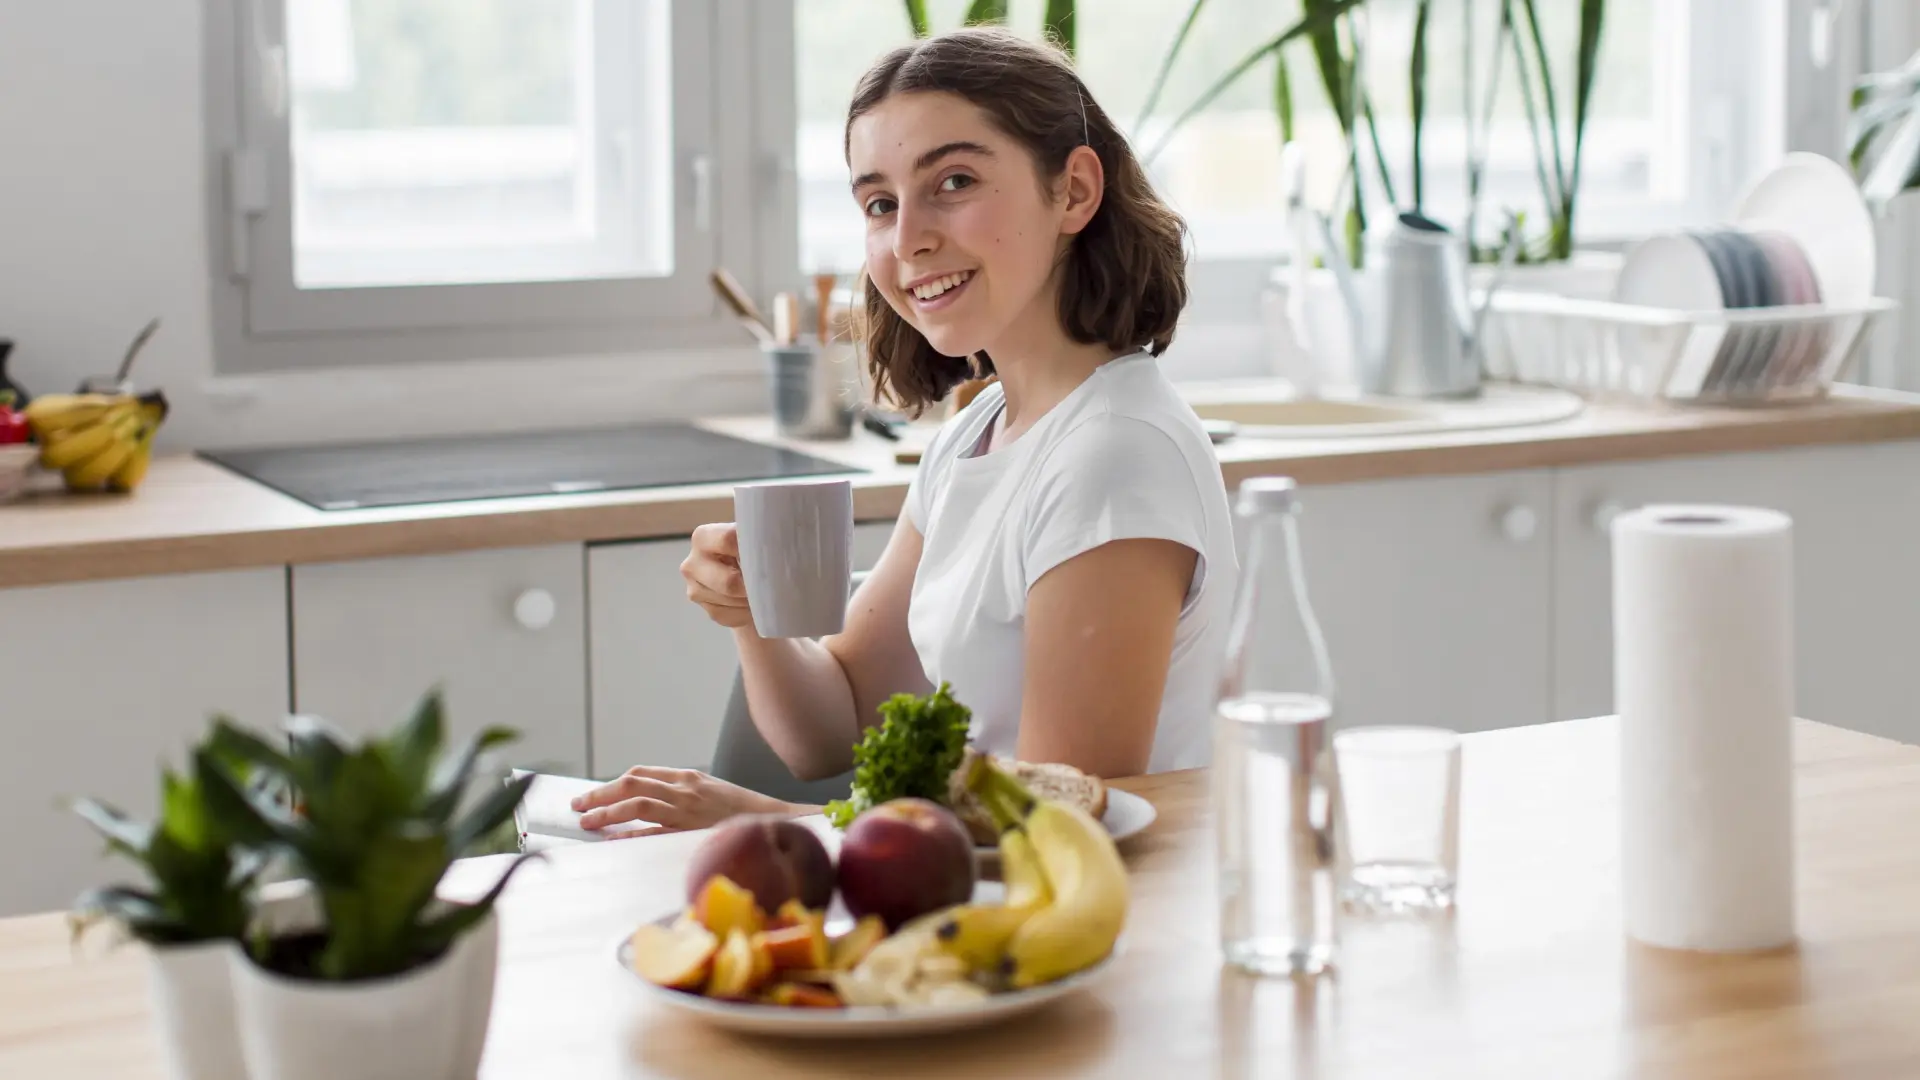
(1703,683)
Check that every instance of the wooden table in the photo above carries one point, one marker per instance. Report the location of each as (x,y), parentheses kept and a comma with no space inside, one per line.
(1532,978)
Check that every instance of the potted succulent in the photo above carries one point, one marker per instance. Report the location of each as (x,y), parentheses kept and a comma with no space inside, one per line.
(389,980)
(192,913)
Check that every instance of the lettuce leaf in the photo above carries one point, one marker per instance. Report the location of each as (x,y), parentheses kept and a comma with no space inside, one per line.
(909,754)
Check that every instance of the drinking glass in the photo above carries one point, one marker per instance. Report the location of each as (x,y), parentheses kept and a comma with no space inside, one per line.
(1400,796)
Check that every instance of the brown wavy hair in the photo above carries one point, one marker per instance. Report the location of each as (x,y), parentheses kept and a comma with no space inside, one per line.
(1123,282)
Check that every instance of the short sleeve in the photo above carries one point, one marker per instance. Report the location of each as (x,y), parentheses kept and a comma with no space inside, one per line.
(1114,478)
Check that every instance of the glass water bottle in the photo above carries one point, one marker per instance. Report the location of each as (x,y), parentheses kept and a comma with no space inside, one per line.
(1276,792)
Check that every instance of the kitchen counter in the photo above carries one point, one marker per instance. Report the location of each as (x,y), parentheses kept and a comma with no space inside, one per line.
(1531,977)
(191,515)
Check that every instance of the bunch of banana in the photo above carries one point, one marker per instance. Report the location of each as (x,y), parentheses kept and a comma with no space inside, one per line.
(1066,889)
(97,440)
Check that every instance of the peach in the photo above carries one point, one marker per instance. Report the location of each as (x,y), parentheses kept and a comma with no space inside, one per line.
(723,907)
(674,957)
(903,859)
(776,859)
(803,946)
(738,968)
(847,950)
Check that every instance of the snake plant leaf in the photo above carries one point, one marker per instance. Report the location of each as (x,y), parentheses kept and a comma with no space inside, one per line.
(1060,25)
(1593,18)
(1166,62)
(371,917)
(1417,103)
(1283,96)
(417,742)
(917,18)
(451,776)
(986,12)
(489,814)
(438,931)
(1548,100)
(123,834)
(1329,11)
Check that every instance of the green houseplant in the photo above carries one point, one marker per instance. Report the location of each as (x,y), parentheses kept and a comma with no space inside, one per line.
(192,911)
(355,967)
(1333,32)
(386,979)
(1885,126)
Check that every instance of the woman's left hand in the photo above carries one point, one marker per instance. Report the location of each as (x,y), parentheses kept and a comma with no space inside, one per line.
(672,800)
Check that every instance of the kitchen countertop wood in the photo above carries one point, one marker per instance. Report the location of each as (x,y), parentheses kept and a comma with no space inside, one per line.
(1532,977)
(192,515)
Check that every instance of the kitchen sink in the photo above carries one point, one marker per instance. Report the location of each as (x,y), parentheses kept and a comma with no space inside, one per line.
(1269,409)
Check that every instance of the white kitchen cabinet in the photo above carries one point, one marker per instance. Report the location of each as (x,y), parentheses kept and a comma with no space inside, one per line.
(661,670)
(107,683)
(503,631)
(1433,594)
(1856,512)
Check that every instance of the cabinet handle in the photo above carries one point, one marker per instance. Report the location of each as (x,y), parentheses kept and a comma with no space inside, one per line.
(1603,515)
(1519,523)
(534,609)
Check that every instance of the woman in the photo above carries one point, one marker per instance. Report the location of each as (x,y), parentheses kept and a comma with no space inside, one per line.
(1065,556)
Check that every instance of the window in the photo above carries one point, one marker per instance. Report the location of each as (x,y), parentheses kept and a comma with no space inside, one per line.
(404,180)
(466,141)
(428,179)
(1663,109)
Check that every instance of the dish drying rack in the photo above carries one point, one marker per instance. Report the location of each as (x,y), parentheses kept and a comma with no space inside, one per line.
(1737,356)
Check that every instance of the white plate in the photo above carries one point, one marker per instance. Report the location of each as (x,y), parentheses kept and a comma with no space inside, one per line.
(866,1021)
(1672,271)
(1126,815)
(1816,202)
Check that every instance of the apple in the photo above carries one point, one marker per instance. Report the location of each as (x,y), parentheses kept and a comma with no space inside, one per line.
(903,859)
(776,859)
(674,957)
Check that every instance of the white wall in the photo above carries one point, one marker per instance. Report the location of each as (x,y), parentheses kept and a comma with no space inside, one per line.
(103,226)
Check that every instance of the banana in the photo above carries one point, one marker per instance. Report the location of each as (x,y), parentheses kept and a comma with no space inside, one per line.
(73,445)
(94,472)
(134,469)
(50,413)
(1081,866)
(980,933)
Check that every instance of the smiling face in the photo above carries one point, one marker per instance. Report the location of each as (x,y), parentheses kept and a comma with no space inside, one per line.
(963,234)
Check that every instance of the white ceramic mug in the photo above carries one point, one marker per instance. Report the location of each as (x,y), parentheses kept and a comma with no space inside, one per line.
(796,554)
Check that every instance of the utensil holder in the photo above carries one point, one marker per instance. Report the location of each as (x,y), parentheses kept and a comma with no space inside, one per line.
(812,394)
(1737,356)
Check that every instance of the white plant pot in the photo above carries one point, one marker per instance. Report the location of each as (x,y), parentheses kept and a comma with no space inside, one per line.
(190,992)
(190,989)
(426,1024)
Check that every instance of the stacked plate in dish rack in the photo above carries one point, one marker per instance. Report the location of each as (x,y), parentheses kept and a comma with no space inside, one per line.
(1771,307)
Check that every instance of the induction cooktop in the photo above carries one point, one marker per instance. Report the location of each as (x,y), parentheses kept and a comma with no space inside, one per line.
(438,470)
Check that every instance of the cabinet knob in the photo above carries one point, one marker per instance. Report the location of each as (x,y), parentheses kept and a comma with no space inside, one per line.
(1603,515)
(534,609)
(1519,523)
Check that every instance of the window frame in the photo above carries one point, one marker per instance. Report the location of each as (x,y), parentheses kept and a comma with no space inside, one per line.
(729,104)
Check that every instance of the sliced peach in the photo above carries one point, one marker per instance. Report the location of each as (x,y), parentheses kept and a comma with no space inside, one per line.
(851,947)
(800,995)
(794,913)
(801,946)
(761,972)
(732,975)
(673,957)
(724,907)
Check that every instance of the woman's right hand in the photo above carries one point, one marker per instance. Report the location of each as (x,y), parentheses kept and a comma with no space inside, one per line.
(712,572)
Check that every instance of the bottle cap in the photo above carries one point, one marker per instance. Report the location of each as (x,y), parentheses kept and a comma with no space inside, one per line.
(1265,495)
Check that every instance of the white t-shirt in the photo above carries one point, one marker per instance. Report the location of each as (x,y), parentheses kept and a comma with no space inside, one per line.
(1122,457)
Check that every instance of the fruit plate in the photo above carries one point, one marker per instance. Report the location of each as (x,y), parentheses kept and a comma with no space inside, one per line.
(864,1021)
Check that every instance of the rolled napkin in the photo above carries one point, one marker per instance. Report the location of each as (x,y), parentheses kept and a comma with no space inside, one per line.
(1703,683)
